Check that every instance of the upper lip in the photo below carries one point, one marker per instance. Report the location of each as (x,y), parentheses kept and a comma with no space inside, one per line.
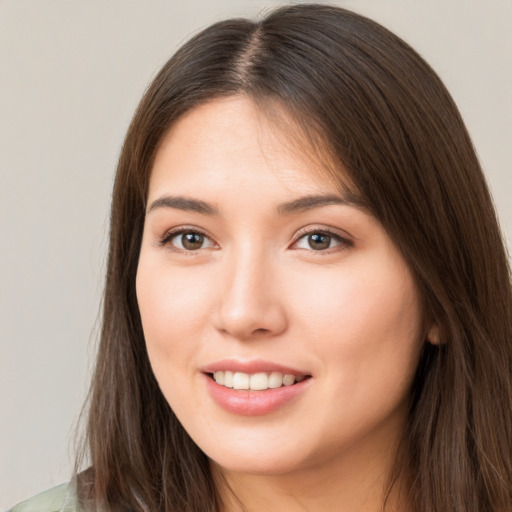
(251,366)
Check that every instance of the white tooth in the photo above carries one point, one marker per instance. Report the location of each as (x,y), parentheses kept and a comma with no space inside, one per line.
(259,381)
(275,380)
(299,378)
(219,377)
(288,380)
(228,379)
(240,380)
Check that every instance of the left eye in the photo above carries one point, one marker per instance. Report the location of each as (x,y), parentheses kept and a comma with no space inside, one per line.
(318,241)
(189,241)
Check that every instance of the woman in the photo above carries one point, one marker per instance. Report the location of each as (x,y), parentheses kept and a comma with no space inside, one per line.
(308,303)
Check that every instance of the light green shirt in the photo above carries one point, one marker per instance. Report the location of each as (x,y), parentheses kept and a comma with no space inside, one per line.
(58,499)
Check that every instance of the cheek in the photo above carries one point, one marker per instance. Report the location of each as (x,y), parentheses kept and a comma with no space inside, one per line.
(372,303)
(366,335)
(172,304)
(170,312)
(364,326)
(172,309)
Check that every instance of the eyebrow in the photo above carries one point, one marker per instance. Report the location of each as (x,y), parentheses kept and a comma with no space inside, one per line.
(299,205)
(316,201)
(184,203)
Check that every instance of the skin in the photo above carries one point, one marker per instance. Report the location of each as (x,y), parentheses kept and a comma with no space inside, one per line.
(349,315)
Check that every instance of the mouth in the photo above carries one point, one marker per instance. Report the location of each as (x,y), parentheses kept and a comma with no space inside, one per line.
(254,387)
(260,381)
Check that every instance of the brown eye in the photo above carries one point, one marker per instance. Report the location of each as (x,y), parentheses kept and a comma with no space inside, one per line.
(319,241)
(192,241)
(189,241)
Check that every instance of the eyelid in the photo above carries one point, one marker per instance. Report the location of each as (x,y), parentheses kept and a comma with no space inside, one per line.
(166,238)
(345,240)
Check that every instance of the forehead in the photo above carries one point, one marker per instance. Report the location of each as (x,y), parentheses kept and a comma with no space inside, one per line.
(230,140)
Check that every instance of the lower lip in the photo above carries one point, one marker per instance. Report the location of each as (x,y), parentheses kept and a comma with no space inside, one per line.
(254,403)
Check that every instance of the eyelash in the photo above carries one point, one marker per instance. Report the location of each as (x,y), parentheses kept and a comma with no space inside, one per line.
(173,233)
(342,242)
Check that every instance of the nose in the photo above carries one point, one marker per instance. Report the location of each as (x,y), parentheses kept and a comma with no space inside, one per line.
(250,304)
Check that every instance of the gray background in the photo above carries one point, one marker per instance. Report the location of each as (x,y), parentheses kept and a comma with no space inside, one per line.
(71,73)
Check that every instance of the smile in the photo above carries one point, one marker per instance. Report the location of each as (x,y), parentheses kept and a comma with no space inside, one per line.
(251,394)
(256,381)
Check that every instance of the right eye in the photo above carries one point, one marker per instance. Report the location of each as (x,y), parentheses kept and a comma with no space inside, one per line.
(187,240)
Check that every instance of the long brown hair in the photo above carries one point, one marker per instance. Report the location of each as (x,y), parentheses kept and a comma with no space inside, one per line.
(380,111)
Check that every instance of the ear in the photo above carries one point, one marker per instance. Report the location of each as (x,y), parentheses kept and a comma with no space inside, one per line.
(433,335)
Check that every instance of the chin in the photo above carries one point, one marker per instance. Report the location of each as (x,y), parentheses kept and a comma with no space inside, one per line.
(258,466)
(260,459)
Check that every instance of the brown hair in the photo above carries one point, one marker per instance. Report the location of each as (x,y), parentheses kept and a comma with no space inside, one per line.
(384,114)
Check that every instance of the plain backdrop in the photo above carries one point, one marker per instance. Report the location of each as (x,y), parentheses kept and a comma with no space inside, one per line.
(71,74)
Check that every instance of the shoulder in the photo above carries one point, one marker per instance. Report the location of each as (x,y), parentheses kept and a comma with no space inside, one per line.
(58,499)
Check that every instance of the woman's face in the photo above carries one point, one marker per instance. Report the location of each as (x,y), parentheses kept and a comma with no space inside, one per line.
(256,269)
